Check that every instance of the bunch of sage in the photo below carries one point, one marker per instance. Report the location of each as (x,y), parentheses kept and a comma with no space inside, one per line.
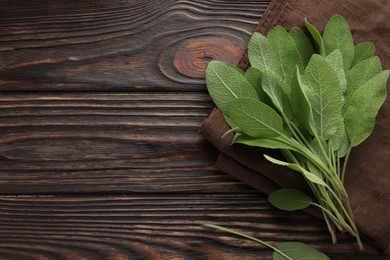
(313,102)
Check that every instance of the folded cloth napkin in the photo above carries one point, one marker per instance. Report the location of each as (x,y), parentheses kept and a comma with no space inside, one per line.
(256,180)
(368,175)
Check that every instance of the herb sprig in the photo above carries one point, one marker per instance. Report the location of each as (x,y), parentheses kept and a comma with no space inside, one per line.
(314,103)
(283,251)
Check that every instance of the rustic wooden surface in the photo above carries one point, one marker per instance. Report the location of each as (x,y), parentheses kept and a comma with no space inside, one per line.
(100,157)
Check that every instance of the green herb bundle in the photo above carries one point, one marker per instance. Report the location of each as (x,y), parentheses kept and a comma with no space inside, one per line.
(314,103)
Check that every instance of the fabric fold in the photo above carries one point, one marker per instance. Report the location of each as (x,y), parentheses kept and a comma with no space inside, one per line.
(246,175)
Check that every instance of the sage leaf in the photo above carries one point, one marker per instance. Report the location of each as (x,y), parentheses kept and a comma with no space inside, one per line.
(324,94)
(254,76)
(234,68)
(262,56)
(319,144)
(303,46)
(337,35)
(308,175)
(225,83)
(316,36)
(229,121)
(363,107)
(361,73)
(274,143)
(343,147)
(300,105)
(314,170)
(286,52)
(339,141)
(289,199)
(254,118)
(363,51)
(335,59)
(274,90)
(298,251)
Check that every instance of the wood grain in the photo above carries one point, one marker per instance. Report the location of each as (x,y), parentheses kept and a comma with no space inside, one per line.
(100,106)
(155,227)
(108,142)
(116,45)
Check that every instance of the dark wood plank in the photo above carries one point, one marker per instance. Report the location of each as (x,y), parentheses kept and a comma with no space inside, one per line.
(120,45)
(155,227)
(106,143)
(133,142)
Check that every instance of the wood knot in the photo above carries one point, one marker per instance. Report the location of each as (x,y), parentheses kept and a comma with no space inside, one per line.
(192,58)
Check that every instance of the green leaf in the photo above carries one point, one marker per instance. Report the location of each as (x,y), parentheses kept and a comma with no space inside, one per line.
(274,143)
(303,46)
(254,76)
(308,175)
(335,59)
(229,121)
(363,51)
(340,141)
(289,199)
(300,105)
(363,107)
(254,118)
(298,251)
(277,94)
(318,144)
(316,36)
(225,83)
(323,90)
(286,52)
(361,73)
(337,35)
(314,170)
(233,67)
(262,56)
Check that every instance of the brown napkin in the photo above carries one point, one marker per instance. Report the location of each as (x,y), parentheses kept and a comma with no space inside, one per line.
(252,177)
(368,179)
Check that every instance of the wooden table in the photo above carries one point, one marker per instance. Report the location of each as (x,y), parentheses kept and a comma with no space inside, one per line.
(100,156)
